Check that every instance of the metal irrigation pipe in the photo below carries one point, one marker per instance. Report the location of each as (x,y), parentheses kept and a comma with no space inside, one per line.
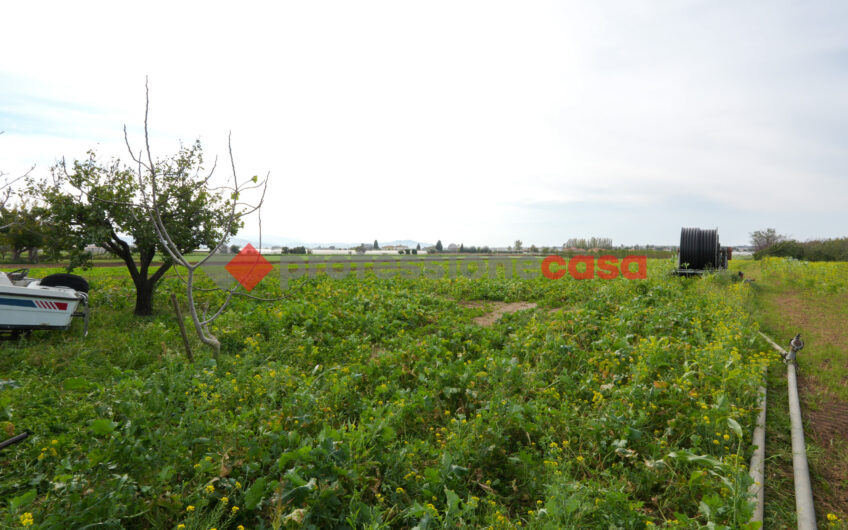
(804,508)
(14,439)
(758,462)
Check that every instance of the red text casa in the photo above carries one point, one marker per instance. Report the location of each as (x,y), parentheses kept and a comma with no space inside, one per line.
(583,267)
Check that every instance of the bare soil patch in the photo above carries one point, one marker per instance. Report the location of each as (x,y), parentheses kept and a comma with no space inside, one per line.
(496,310)
(829,423)
(828,427)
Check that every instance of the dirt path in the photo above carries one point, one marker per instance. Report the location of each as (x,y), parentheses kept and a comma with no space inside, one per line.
(823,373)
(496,310)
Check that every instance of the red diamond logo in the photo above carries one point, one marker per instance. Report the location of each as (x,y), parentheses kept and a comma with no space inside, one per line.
(248,267)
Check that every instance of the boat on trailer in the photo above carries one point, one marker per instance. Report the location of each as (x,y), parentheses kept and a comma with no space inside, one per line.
(48,303)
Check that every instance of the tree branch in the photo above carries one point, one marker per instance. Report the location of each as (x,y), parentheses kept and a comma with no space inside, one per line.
(148,177)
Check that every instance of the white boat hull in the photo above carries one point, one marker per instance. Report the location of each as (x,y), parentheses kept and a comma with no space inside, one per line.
(26,304)
(36,312)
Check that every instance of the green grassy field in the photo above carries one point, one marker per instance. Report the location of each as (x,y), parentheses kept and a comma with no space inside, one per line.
(194,257)
(371,403)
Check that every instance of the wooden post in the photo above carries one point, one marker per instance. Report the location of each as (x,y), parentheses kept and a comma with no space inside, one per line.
(182,327)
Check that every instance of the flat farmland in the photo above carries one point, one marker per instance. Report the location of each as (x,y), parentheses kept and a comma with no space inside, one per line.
(393,402)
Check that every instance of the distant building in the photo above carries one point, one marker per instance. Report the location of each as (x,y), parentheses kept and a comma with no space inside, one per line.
(95,250)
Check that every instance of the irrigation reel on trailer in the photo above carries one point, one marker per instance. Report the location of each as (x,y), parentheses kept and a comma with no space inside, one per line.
(700,252)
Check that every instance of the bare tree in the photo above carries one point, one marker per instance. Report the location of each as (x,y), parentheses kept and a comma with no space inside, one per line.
(762,239)
(599,242)
(148,177)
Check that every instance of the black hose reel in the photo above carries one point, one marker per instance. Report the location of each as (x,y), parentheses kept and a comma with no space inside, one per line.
(700,251)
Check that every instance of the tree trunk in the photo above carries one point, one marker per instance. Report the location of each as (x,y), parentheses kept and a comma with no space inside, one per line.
(16,255)
(144,297)
(144,284)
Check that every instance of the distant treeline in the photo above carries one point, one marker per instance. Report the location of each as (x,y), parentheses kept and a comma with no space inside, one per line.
(817,250)
(619,253)
(293,250)
(546,251)
(592,242)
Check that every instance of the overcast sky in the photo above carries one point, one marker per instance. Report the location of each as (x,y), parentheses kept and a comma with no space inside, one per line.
(475,122)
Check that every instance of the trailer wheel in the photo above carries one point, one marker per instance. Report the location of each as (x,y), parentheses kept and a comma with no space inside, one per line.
(62,279)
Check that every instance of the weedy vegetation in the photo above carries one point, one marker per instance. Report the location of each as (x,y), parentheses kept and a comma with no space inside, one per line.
(378,403)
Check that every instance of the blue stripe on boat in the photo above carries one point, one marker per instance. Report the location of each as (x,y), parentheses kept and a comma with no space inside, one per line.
(19,302)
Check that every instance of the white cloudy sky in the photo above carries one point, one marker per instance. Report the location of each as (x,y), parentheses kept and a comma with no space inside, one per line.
(475,122)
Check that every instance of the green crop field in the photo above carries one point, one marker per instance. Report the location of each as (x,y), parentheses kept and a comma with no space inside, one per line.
(369,403)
